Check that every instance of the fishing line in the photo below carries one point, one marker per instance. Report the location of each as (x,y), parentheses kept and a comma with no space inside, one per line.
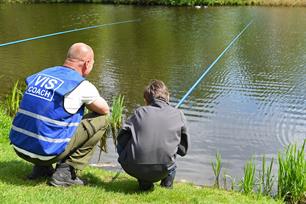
(211,65)
(68,31)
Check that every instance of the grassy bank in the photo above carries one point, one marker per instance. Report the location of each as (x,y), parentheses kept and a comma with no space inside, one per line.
(15,188)
(176,2)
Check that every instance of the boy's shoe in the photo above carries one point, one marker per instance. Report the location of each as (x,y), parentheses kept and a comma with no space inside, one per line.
(65,175)
(168,181)
(39,172)
(145,185)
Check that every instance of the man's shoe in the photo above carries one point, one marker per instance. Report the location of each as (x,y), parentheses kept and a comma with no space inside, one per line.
(65,175)
(39,172)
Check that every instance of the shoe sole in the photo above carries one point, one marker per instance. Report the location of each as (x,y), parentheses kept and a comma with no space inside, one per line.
(57,183)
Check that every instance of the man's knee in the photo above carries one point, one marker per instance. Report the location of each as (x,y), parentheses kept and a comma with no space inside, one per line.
(94,122)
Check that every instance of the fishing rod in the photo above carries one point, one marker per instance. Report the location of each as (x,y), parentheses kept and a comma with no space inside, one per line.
(68,31)
(211,65)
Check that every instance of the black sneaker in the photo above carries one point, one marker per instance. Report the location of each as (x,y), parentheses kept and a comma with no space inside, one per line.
(145,185)
(168,181)
(39,172)
(65,175)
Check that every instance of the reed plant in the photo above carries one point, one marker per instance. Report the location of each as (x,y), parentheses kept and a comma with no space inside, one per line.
(266,178)
(113,123)
(115,119)
(225,181)
(13,99)
(247,183)
(292,174)
(217,169)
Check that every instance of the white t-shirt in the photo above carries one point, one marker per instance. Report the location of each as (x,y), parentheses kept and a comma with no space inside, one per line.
(84,93)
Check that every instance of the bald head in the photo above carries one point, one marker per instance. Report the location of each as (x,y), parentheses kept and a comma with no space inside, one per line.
(80,57)
(80,51)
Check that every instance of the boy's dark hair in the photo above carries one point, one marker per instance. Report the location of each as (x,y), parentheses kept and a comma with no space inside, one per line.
(156,90)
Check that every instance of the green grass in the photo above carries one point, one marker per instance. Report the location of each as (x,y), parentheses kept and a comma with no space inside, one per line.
(15,188)
(5,125)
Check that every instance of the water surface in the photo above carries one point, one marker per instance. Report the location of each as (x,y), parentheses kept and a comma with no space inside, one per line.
(253,101)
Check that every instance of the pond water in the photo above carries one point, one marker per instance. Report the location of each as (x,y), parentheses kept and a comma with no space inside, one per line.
(252,102)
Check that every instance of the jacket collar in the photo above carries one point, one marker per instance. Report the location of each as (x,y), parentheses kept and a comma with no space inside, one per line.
(158,102)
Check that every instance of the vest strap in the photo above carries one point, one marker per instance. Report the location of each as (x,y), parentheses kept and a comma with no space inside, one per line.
(40,137)
(32,155)
(46,119)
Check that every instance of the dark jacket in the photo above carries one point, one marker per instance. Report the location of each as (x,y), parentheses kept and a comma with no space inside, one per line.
(154,134)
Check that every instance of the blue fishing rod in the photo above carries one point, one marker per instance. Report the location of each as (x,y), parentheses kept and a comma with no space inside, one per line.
(211,65)
(68,31)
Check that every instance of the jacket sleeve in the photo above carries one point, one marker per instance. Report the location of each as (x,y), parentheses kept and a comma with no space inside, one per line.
(183,146)
(124,135)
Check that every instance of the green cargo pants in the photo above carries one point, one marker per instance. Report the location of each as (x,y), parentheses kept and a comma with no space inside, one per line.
(81,146)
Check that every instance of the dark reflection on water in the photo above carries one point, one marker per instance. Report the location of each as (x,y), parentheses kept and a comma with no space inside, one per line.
(253,102)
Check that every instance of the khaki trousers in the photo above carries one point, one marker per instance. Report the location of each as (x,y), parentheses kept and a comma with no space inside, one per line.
(81,146)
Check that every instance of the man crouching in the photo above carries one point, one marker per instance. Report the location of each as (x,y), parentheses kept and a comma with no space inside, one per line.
(49,126)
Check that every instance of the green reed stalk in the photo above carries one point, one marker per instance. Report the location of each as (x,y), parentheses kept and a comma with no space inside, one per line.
(248,181)
(12,100)
(115,120)
(266,179)
(224,180)
(113,123)
(269,180)
(217,169)
(292,174)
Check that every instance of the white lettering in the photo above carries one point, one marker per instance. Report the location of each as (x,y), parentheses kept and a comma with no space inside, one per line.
(51,84)
(40,92)
(44,86)
(39,80)
(47,94)
(47,78)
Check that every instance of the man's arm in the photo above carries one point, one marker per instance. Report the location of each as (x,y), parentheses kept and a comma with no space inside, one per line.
(99,106)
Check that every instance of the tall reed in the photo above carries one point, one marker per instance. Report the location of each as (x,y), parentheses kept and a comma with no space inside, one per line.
(266,178)
(247,183)
(13,99)
(292,174)
(225,181)
(115,120)
(217,169)
(113,123)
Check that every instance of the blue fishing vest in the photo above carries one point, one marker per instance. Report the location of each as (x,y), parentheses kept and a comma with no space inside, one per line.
(42,126)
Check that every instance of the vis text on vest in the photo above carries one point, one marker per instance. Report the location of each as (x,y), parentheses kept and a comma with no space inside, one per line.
(43,86)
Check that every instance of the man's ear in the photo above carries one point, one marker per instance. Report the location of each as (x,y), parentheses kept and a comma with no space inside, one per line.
(84,68)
